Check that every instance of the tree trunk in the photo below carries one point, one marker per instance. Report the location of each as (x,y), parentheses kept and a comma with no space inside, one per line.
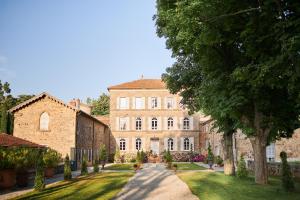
(229,168)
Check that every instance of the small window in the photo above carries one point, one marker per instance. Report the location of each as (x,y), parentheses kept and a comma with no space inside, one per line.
(154,103)
(44,122)
(122,144)
(169,102)
(186,144)
(154,123)
(186,123)
(270,151)
(138,144)
(138,124)
(170,123)
(123,123)
(138,103)
(170,144)
(123,103)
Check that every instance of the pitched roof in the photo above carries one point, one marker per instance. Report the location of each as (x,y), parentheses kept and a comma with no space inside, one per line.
(103,118)
(141,84)
(12,141)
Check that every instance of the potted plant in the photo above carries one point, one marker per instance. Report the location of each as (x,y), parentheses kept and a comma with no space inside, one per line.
(51,159)
(7,172)
(210,157)
(102,155)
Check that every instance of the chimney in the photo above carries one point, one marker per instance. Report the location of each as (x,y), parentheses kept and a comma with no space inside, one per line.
(78,104)
(75,103)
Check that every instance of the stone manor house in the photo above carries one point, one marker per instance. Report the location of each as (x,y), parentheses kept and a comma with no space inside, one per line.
(143,116)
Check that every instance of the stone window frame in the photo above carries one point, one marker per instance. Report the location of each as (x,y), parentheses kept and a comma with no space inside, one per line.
(170,123)
(126,103)
(154,123)
(138,124)
(154,102)
(138,144)
(124,127)
(141,103)
(186,144)
(170,102)
(186,123)
(170,144)
(48,125)
(122,144)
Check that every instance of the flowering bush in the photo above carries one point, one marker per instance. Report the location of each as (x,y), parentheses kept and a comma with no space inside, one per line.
(199,158)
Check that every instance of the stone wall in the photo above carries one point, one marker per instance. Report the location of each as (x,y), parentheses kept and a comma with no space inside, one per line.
(61,133)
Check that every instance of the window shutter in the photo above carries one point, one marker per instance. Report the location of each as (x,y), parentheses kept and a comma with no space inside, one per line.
(175,123)
(149,123)
(174,102)
(143,144)
(158,103)
(165,123)
(181,144)
(133,102)
(149,102)
(180,123)
(165,103)
(126,144)
(117,123)
(143,102)
(127,102)
(133,122)
(143,124)
(175,144)
(133,143)
(128,124)
(159,123)
(191,123)
(191,142)
(118,102)
(166,143)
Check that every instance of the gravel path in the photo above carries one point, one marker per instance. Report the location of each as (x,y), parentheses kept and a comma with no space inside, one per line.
(155,182)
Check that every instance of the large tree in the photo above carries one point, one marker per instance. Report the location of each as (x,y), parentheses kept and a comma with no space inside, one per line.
(100,106)
(238,61)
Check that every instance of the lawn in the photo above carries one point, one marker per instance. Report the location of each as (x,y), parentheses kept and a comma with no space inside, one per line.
(94,186)
(217,186)
(120,167)
(189,166)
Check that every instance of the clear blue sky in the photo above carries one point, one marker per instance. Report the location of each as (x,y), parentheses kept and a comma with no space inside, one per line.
(76,49)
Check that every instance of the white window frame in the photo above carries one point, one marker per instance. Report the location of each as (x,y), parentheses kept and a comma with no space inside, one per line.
(44,121)
(138,144)
(186,144)
(123,103)
(138,103)
(122,144)
(154,102)
(138,124)
(123,123)
(186,123)
(170,144)
(170,123)
(170,102)
(154,123)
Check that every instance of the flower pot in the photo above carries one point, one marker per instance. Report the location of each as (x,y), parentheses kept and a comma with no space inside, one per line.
(49,172)
(7,178)
(22,178)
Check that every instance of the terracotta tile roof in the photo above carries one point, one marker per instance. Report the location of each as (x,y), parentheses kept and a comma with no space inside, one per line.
(103,118)
(12,141)
(141,84)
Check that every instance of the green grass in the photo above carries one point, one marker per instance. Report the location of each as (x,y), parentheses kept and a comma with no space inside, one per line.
(189,166)
(120,167)
(217,186)
(94,186)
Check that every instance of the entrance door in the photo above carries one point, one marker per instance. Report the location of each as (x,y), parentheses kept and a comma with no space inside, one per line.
(154,146)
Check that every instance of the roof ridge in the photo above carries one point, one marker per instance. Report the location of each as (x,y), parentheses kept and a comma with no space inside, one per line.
(140,84)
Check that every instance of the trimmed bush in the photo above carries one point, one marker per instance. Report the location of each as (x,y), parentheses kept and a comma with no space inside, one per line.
(117,157)
(199,158)
(96,166)
(219,161)
(102,155)
(242,171)
(39,181)
(67,169)
(286,174)
(84,170)
(138,157)
(169,159)
(51,158)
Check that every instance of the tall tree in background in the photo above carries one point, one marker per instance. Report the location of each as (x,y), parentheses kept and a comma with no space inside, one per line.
(240,57)
(100,106)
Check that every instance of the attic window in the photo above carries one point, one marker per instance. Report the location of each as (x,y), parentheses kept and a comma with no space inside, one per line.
(44,121)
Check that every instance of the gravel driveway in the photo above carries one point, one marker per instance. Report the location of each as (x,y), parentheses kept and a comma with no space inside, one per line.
(155,182)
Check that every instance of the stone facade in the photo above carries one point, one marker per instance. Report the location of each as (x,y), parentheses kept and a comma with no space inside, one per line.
(138,97)
(48,121)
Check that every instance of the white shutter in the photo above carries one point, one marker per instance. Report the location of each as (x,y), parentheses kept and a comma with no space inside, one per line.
(117,123)
(127,101)
(144,124)
(118,142)
(133,120)
(159,123)
(118,102)
(181,144)
(149,123)
(143,144)
(165,103)
(128,124)
(180,123)
(126,144)
(165,123)
(191,123)
(175,144)
(158,103)
(149,102)
(174,102)
(175,123)
(143,102)
(133,143)
(133,102)
(166,143)
(191,142)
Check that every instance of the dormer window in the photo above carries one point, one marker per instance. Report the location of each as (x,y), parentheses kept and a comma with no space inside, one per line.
(44,121)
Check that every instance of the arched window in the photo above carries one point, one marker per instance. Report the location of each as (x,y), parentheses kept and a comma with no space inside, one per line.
(122,145)
(138,144)
(138,124)
(186,123)
(186,144)
(44,121)
(154,123)
(170,123)
(170,144)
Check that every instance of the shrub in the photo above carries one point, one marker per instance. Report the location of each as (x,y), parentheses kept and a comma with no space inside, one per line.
(7,158)
(25,158)
(169,159)
(138,157)
(51,158)
(143,157)
(133,160)
(199,158)
(117,157)
(175,166)
(286,174)
(128,157)
(219,160)
(102,155)
(84,170)
(242,171)
(39,181)
(67,169)
(96,166)
(111,158)
(210,155)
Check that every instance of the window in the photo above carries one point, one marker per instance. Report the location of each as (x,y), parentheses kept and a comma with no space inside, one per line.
(44,121)
(123,103)
(138,144)
(170,123)
(138,103)
(122,144)
(123,123)
(170,144)
(154,102)
(270,151)
(169,102)
(186,144)
(186,123)
(154,123)
(138,124)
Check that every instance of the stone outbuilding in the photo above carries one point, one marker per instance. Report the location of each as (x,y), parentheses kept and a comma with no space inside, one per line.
(67,128)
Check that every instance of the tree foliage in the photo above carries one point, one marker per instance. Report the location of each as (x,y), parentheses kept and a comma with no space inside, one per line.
(100,106)
(242,171)
(67,168)
(286,173)
(239,63)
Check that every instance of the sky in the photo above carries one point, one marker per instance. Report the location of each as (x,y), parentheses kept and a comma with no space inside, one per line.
(77,48)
